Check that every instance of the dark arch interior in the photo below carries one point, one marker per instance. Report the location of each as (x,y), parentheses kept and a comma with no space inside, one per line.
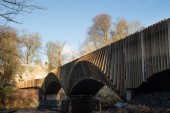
(86,87)
(53,88)
(156,83)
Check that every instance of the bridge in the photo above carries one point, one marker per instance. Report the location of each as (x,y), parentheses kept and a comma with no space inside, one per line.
(139,60)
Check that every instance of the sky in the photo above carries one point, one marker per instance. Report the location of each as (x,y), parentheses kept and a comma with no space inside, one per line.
(69,20)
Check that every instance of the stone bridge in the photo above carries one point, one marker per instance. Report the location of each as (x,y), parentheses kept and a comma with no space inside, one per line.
(139,60)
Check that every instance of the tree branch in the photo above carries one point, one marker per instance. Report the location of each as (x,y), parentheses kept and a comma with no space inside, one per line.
(16,7)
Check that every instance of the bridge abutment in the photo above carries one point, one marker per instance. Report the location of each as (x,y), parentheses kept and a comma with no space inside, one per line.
(129,95)
(52,97)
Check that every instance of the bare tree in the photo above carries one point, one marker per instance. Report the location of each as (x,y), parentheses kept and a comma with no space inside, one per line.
(54,53)
(101,34)
(98,33)
(135,26)
(9,9)
(9,54)
(87,46)
(38,60)
(100,28)
(123,28)
(31,45)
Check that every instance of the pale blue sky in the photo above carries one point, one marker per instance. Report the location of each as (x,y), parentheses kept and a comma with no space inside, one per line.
(68,20)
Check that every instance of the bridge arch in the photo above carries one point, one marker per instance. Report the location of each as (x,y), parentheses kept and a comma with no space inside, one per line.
(51,86)
(86,79)
(157,82)
(86,87)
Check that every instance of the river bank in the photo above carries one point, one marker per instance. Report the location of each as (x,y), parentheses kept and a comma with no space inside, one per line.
(27,111)
(155,102)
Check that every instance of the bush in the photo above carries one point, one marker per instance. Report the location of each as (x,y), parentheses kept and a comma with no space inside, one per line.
(108,97)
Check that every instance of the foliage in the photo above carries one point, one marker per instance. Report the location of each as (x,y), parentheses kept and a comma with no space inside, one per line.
(4,92)
(7,90)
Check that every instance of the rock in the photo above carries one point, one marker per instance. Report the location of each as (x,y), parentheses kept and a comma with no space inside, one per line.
(120,104)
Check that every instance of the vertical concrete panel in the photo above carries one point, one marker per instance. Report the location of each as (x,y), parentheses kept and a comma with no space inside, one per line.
(127,61)
(169,39)
(96,57)
(99,58)
(111,63)
(167,46)
(103,60)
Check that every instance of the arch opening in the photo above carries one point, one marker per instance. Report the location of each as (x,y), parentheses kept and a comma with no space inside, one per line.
(54,91)
(52,94)
(53,88)
(86,87)
(158,82)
